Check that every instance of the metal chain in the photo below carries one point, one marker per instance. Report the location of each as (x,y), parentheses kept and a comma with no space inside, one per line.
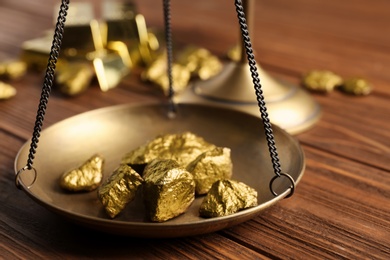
(48,81)
(169,47)
(259,92)
(260,100)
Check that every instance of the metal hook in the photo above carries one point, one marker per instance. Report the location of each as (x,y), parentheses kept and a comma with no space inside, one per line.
(292,181)
(17,177)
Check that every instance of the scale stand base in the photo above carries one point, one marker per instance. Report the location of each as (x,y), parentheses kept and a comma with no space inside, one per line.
(288,106)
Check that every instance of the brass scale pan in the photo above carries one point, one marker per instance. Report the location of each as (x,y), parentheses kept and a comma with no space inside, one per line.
(113,131)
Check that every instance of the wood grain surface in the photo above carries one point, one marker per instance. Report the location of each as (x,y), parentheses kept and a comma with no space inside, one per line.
(341,208)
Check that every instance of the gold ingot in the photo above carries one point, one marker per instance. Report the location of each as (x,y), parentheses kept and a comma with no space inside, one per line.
(122,50)
(35,52)
(356,86)
(110,69)
(157,74)
(153,41)
(168,190)
(227,197)
(321,81)
(119,189)
(87,177)
(6,91)
(130,28)
(74,78)
(12,69)
(118,10)
(182,148)
(79,13)
(82,32)
(209,167)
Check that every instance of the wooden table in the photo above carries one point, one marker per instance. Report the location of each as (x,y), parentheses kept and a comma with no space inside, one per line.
(341,208)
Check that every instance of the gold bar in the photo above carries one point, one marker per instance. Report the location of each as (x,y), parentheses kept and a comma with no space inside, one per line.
(110,69)
(74,78)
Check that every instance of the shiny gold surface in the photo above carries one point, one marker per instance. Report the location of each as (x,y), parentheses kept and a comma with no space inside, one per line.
(200,62)
(6,91)
(356,86)
(156,73)
(321,80)
(119,189)
(113,131)
(183,148)
(227,197)
(168,190)
(74,78)
(87,177)
(12,69)
(36,51)
(209,167)
(110,69)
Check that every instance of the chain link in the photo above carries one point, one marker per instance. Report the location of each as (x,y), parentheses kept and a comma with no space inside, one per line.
(259,92)
(169,47)
(48,81)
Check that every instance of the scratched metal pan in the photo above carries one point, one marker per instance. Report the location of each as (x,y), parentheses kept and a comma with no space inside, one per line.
(114,131)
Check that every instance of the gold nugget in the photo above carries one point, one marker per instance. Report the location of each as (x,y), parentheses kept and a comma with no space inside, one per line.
(321,81)
(168,190)
(6,91)
(356,86)
(156,73)
(209,167)
(227,197)
(12,69)
(119,189)
(200,62)
(85,178)
(182,148)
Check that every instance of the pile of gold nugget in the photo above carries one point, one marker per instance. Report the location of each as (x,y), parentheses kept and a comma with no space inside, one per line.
(171,170)
(325,81)
(109,49)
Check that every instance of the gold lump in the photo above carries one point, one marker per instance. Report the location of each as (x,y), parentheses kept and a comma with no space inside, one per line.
(12,69)
(119,189)
(156,73)
(200,62)
(85,178)
(356,86)
(321,81)
(209,167)
(168,190)
(182,148)
(6,91)
(192,62)
(227,197)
